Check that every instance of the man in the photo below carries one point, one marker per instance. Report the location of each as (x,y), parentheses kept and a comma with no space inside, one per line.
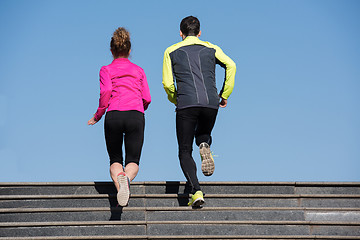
(191,63)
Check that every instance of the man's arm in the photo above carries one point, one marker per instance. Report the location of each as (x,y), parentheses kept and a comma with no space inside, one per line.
(223,103)
(230,70)
(168,78)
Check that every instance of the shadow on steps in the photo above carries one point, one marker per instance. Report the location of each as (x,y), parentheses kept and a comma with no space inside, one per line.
(171,187)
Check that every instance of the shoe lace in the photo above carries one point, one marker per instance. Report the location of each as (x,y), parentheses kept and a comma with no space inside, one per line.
(214,155)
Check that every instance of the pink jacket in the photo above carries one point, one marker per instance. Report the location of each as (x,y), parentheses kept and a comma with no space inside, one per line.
(123,87)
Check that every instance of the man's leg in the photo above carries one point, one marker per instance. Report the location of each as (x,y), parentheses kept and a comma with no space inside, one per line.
(206,122)
(186,121)
(205,125)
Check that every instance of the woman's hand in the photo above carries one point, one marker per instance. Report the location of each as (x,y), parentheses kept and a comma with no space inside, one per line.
(92,121)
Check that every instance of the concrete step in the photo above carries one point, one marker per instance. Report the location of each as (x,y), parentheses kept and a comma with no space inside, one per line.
(175,200)
(81,188)
(158,210)
(180,213)
(193,237)
(182,228)
(91,228)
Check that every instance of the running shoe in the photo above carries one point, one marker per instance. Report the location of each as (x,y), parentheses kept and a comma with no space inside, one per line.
(197,199)
(124,189)
(207,160)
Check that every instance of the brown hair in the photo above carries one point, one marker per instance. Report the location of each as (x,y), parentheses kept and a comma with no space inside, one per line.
(120,44)
(190,26)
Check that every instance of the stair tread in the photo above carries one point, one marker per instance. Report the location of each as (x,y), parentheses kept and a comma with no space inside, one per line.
(243,210)
(90,223)
(254,237)
(72,196)
(84,209)
(329,183)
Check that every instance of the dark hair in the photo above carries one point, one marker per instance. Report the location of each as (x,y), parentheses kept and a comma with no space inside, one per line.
(190,26)
(120,43)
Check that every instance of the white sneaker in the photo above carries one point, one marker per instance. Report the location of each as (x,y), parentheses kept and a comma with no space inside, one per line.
(207,160)
(124,189)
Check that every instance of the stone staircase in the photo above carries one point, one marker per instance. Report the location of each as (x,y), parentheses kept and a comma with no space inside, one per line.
(158,210)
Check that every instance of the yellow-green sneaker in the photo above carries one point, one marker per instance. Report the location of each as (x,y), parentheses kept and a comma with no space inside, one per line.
(207,160)
(197,199)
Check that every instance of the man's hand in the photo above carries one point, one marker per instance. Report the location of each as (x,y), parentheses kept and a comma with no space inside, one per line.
(223,103)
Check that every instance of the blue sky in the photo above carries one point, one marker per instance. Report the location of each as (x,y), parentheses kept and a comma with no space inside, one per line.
(293,116)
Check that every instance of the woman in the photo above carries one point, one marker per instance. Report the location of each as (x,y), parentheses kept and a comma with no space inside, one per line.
(124,93)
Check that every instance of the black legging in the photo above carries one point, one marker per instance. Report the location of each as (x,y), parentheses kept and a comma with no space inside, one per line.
(128,126)
(193,122)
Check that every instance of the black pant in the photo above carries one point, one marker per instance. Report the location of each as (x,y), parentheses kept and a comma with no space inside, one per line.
(128,126)
(193,122)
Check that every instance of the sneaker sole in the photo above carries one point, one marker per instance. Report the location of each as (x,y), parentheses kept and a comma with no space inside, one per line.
(124,192)
(207,165)
(198,202)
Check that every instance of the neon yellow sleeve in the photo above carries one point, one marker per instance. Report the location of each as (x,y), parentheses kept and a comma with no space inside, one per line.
(230,70)
(168,78)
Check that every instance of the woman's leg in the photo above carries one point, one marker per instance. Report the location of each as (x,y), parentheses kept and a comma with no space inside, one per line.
(114,134)
(127,126)
(115,169)
(131,170)
(134,139)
